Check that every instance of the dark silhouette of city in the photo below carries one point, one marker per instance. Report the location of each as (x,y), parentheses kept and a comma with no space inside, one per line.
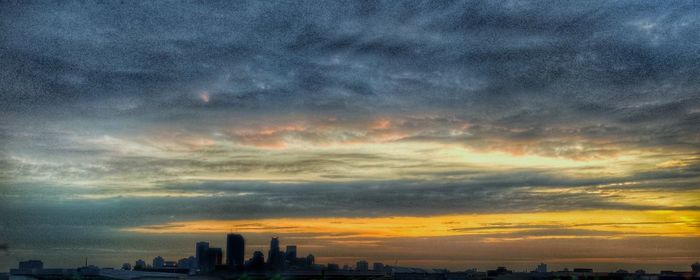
(208,262)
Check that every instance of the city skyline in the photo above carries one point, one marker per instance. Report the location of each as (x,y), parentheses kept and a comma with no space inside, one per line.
(455,134)
(198,261)
(278,261)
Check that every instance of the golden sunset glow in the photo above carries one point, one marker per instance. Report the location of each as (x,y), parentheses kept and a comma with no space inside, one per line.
(599,224)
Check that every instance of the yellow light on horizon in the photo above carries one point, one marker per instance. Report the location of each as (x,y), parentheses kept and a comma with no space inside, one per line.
(599,223)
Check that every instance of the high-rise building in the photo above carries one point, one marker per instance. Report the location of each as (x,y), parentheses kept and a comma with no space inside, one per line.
(362,266)
(291,253)
(541,268)
(217,255)
(201,247)
(235,250)
(275,259)
(274,248)
(210,259)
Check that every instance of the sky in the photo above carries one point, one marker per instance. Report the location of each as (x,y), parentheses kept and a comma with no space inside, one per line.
(431,134)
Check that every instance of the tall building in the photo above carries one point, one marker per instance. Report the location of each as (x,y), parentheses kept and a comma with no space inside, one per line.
(541,268)
(274,248)
(310,260)
(291,253)
(201,247)
(275,260)
(217,254)
(362,266)
(210,259)
(235,250)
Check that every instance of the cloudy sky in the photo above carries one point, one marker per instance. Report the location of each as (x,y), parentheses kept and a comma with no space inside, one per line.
(431,134)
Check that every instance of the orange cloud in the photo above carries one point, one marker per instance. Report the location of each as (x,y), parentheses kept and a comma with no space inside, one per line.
(493,227)
(380,124)
(267,136)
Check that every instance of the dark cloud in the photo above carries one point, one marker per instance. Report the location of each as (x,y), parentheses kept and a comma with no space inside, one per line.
(622,69)
(152,52)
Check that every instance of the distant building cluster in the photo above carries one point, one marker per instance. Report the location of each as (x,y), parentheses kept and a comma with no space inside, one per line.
(208,259)
(209,262)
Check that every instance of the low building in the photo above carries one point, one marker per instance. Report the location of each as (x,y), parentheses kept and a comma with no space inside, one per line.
(362,266)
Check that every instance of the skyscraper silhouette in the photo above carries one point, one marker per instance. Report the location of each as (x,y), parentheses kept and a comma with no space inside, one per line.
(291,253)
(210,259)
(275,260)
(201,247)
(235,250)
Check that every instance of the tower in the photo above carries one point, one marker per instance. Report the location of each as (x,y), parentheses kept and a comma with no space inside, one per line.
(200,249)
(274,256)
(235,250)
(291,253)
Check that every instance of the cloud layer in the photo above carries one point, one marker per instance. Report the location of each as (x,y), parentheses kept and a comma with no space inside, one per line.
(134,115)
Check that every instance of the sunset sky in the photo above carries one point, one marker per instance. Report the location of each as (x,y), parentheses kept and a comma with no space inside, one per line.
(459,135)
